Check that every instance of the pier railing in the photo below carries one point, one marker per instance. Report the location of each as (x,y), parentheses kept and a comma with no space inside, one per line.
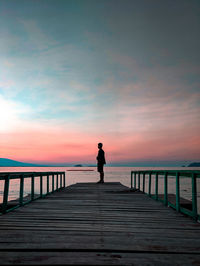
(53,181)
(151,181)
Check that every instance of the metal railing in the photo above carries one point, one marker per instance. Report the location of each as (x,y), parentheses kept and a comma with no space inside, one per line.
(57,182)
(165,197)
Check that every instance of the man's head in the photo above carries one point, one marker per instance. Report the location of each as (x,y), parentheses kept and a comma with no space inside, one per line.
(100,145)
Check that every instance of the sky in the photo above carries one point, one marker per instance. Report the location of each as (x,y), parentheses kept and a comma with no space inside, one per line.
(77,72)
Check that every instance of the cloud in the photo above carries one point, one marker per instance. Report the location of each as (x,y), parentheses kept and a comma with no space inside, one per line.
(36,39)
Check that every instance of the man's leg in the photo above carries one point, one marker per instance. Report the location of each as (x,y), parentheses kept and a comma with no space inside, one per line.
(102,177)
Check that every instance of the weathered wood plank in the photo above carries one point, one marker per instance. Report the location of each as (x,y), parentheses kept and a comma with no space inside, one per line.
(97,258)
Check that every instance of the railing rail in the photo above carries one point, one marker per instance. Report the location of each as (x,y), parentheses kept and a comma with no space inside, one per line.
(177,174)
(21,176)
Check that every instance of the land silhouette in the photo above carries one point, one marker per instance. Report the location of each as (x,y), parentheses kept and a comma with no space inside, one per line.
(6,162)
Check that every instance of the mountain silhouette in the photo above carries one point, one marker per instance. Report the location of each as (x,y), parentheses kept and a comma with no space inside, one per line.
(196,164)
(4,162)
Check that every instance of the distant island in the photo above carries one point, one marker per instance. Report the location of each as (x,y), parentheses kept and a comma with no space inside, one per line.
(78,165)
(196,164)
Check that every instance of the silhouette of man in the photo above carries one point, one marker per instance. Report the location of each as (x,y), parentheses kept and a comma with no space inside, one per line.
(100,162)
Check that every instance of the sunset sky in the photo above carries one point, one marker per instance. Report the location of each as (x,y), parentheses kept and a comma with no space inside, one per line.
(77,72)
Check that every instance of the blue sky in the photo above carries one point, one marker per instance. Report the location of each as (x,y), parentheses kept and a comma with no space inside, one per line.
(122,72)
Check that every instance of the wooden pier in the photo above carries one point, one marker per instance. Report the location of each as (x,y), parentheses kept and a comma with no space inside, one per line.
(98,224)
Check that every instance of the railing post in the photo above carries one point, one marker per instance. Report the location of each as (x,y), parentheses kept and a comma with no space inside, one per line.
(139,180)
(156,186)
(47,183)
(32,187)
(21,193)
(177,192)
(131,179)
(57,182)
(41,185)
(143,182)
(60,180)
(52,182)
(64,179)
(149,184)
(166,189)
(135,180)
(194,197)
(5,195)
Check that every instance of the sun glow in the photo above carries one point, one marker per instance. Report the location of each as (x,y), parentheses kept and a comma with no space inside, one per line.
(9,114)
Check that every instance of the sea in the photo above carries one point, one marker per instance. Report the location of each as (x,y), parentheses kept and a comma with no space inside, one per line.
(90,174)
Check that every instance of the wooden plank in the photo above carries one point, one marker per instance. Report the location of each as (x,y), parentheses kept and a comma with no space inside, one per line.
(97,258)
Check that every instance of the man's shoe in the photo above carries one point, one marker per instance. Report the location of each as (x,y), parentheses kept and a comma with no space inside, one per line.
(100,182)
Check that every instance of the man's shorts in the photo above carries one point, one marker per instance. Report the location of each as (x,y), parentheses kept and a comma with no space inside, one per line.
(100,167)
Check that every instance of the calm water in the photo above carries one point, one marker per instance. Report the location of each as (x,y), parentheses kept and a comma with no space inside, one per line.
(112,174)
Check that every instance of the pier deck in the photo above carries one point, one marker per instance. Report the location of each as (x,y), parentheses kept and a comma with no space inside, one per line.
(98,224)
